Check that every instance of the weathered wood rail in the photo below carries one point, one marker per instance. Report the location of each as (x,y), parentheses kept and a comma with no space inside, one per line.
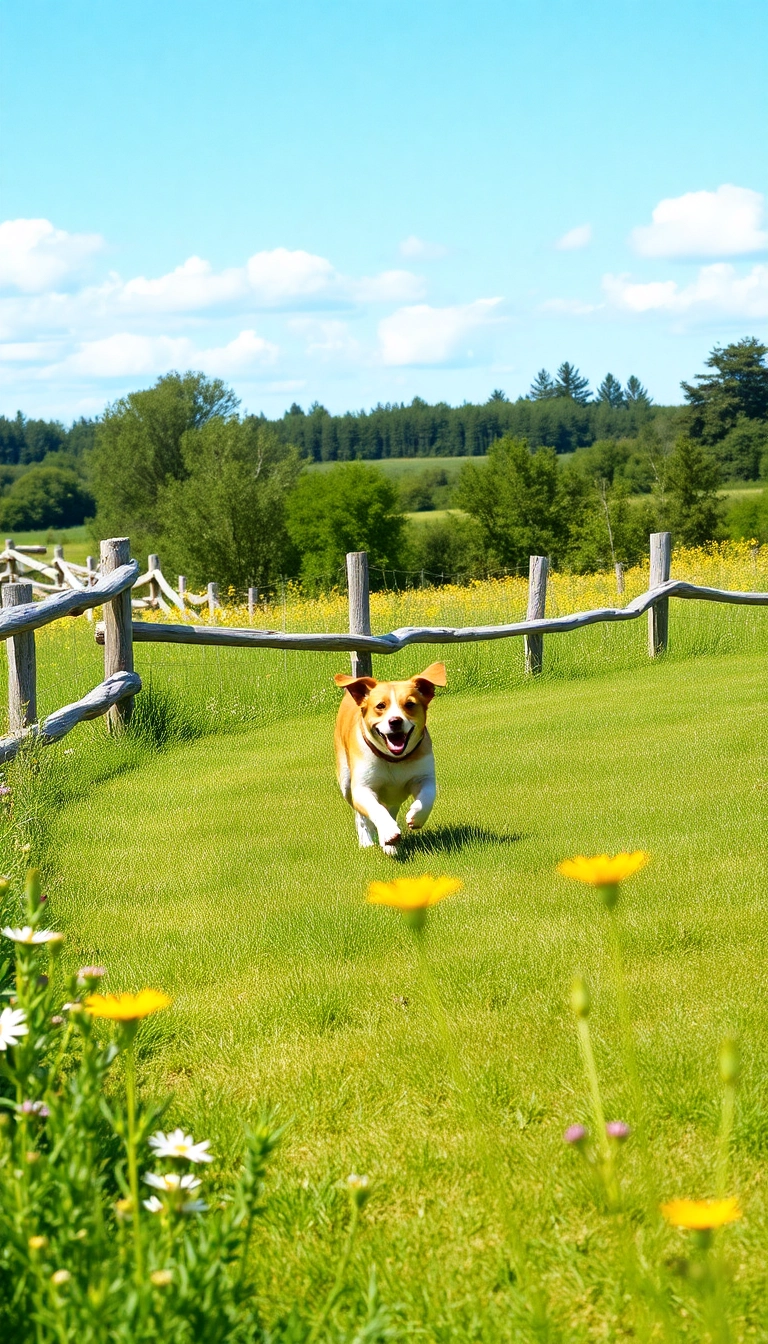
(19,619)
(343,642)
(99,701)
(118,632)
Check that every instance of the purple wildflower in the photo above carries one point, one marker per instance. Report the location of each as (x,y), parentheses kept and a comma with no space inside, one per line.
(35,1108)
(576,1134)
(618,1130)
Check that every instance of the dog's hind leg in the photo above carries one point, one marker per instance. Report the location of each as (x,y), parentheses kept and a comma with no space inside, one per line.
(366,831)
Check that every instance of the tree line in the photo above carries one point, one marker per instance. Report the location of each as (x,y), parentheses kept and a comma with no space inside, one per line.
(243,500)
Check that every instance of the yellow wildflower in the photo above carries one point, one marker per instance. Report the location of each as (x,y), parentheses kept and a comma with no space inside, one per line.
(413,893)
(602,870)
(127,1007)
(701,1215)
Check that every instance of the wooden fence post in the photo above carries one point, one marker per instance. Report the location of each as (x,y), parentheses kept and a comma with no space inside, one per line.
(90,565)
(10,562)
(213,599)
(153,562)
(118,629)
(22,667)
(182,590)
(253,597)
(619,572)
(538,567)
(58,554)
(658,614)
(359,609)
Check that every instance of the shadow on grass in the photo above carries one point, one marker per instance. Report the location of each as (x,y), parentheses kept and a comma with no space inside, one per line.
(450,839)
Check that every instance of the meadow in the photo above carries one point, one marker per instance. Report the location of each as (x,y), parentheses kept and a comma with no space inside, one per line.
(209,853)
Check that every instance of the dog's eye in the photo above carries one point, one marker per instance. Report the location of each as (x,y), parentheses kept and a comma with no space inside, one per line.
(381,707)
(410,704)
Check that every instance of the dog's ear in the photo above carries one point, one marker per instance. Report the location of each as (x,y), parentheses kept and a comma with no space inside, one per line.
(432,676)
(358,687)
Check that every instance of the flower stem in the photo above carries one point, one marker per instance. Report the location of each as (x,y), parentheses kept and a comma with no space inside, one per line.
(603,1146)
(490,1159)
(724,1138)
(338,1282)
(133,1174)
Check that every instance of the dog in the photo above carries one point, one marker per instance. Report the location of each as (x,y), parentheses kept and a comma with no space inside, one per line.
(384,753)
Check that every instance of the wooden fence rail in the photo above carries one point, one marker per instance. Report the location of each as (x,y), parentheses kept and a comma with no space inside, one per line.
(146,632)
(20,617)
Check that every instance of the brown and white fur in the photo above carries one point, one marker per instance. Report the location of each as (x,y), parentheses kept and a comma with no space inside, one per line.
(384,753)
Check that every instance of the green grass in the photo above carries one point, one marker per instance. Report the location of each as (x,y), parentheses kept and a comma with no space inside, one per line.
(76,541)
(225,869)
(397,467)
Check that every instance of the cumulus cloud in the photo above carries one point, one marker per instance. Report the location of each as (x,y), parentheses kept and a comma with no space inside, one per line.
(424,335)
(581,236)
(719,290)
(418,249)
(722,223)
(127,355)
(34,256)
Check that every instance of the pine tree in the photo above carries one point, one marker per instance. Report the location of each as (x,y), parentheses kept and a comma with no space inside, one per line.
(610,392)
(738,386)
(635,394)
(542,388)
(498,395)
(694,510)
(570,383)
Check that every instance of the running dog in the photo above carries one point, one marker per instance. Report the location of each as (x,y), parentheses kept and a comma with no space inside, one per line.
(384,753)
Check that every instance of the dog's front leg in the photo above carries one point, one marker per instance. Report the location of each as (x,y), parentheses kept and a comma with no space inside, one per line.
(422,804)
(364,800)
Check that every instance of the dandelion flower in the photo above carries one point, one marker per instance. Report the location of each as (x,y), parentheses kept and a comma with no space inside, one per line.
(30,936)
(171,1181)
(413,893)
(179,1144)
(702,1215)
(602,870)
(13,1025)
(127,1007)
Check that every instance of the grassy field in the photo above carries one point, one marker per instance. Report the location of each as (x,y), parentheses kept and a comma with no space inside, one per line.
(223,867)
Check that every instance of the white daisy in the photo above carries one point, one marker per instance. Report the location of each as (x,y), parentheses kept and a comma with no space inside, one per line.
(153,1204)
(13,1025)
(29,935)
(179,1144)
(171,1181)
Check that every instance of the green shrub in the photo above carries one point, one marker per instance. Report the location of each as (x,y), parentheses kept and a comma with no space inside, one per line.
(46,497)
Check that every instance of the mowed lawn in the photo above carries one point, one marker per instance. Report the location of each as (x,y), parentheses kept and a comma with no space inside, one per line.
(227,872)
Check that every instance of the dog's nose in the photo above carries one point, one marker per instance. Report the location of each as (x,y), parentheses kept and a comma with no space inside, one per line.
(395,722)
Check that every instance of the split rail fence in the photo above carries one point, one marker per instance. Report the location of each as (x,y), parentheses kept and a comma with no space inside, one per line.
(75,589)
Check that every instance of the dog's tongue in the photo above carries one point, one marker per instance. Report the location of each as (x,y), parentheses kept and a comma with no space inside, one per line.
(397,744)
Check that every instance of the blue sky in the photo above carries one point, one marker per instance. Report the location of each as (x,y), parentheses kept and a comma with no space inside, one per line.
(364,202)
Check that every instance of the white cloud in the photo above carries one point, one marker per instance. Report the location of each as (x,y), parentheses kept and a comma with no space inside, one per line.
(418,249)
(34,256)
(718,291)
(425,335)
(722,223)
(389,287)
(242,355)
(128,355)
(581,236)
(281,276)
(190,287)
(125,355)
